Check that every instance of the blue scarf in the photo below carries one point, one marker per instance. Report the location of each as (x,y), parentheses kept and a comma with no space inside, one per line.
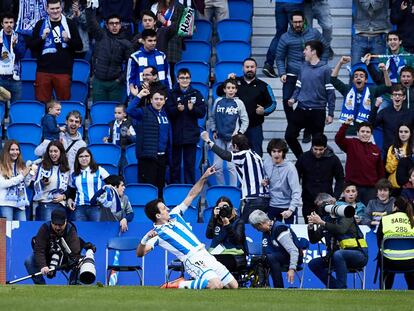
(351,108)
(30,12)
(55,35)
(62,183)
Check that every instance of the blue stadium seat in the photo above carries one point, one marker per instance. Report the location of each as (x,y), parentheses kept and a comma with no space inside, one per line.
(27,151)
(28,92)
(97,132)
(28,68)
(200,71)
(197,51)
(19,132)
(203,88)
(203,30)
(79,91)
(223,69)
(110,168)
(174,194)
(26,111)
(214,90)
(139,195)
(106,153)
(2,110)
(225,50)
(241,9)
(234,29)
(81,71)
(131,174)
(68,106)
(130,154)
(102,112)
(215,192)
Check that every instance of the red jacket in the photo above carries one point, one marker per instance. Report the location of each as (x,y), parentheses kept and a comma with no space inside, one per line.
(364,165)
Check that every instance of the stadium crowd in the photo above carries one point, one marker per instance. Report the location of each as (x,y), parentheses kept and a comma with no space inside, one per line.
(161,111)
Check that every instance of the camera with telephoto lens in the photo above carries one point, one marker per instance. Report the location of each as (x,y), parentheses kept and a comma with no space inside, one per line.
(56,258)
(334,210)
(87,270)
(225,211)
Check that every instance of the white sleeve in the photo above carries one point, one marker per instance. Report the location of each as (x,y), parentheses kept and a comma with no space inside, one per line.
(179,209)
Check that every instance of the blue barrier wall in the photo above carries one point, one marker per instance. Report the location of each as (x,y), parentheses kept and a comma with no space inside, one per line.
(19,236)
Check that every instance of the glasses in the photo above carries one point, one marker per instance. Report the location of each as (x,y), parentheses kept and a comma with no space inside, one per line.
(114,23)
(397,95)
(184,78)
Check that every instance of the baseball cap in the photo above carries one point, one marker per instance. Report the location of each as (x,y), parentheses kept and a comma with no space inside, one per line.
(58,216)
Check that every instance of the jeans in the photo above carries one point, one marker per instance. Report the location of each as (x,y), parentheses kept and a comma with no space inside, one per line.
(320,10)
(287,91)
(87,213)
(341,261)
(32,267)
(44,210)
(14,87)
(219,165)
(365,194)
(12,213)
(253,204)
(277,261)
(362,45)
(255,137)
(283,12)
(274,213)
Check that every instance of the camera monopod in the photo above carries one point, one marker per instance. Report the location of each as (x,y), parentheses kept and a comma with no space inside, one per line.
(35,274)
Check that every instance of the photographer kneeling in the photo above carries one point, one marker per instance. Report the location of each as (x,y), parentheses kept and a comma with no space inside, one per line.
(226,229)
(49,251)
(346,246)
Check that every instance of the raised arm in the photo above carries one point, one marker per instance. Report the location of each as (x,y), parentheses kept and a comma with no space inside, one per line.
(196,189)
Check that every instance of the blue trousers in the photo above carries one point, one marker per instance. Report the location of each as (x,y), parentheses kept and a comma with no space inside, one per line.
(12,213)
(87,213)
(44,210)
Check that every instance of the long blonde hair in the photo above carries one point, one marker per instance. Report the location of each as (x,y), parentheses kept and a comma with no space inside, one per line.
(6,163)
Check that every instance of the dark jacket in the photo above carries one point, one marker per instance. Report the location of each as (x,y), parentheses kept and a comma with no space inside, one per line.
(230,236)
(403,169)
(257,92)
(50,127)
(125,140)
(46,235)
(185,123)
(317,175)
(111,52)
(404,21)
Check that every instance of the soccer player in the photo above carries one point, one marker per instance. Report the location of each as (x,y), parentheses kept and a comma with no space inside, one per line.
(172,233)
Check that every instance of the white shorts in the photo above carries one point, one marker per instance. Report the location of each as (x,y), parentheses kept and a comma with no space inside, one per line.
(204,265)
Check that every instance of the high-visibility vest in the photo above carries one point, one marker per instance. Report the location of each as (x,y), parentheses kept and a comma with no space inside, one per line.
(397,225)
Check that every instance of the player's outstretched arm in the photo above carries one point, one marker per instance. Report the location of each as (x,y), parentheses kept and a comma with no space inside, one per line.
(195,191)
(144,248)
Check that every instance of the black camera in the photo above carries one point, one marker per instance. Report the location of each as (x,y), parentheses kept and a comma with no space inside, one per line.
(225,211)
(55,259)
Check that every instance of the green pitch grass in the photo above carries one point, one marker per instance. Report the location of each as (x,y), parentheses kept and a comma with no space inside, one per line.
(76,298)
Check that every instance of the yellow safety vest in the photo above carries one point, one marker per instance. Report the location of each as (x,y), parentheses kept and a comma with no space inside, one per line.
(397,225)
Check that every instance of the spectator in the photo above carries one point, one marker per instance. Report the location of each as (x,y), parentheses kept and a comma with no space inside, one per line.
(54,43)
(320,10)
(349,197)
(121,133)
(282,179)
(111,53)
(154,139)
(122,8)
(289,57)
(226,230)
(146,56)
(401,148)
(364,166)
(85,181)
(185,108)
(379,207)
(14,177)
(12,47)
(219,9)
(314,92)
(72,139)
(249,171)
(359,99)
(317,168)
(169,14)
(371,23)
(403,168)
(75,10)
(408,192)
(407,81)
(52,180)
(258,99)
(114,201)
(151,83)
(389,118)
(282,247)
(402,15)
(284,10)
(228,118)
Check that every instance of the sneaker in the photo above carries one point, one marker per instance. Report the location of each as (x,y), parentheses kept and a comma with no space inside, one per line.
(331,53)
(173,284)
(268,71)
(306,138)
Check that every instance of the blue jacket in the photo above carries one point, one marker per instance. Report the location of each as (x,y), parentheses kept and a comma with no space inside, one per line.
(50,127)
(289,53)
(185,124)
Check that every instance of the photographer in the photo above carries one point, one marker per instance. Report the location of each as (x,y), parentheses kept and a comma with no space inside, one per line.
(226,230)
(345,243)
(282,247)
(49,251)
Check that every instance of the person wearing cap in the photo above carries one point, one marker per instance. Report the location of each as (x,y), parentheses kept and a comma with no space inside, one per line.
(48,243)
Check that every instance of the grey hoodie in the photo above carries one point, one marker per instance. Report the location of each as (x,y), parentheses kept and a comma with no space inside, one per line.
(284,187)
(71,153)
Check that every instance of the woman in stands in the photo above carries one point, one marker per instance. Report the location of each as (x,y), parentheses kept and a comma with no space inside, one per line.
(51,181)
(226,230)
(86,179)
(14,175)
(398,224)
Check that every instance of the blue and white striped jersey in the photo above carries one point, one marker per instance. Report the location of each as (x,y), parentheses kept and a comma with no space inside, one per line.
(87,183)
(176,236)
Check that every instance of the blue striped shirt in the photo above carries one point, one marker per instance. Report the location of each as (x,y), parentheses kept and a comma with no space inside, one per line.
(87,183)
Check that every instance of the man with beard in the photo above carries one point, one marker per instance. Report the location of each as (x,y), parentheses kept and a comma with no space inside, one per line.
(407,81)
(258,99)
(72,139)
